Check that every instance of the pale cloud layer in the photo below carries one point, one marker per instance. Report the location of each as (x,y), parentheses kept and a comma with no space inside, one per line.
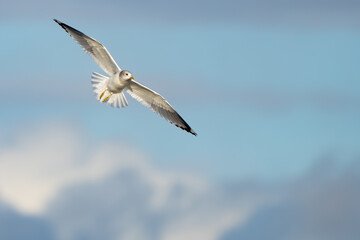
(54,171)
(72,189)
(321,205)
(40,161)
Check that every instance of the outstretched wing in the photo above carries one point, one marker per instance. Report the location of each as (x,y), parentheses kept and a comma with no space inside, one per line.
(95,49)
(158,104)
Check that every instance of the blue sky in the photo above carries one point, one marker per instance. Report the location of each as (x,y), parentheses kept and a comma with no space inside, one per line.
(272,88)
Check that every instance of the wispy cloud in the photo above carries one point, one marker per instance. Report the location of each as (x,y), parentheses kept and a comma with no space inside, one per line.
(111,191)
(321,205)
(40,161)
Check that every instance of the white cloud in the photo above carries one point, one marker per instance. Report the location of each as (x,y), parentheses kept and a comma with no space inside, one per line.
(110,190)
(42,160)
(130,204)
(142,202)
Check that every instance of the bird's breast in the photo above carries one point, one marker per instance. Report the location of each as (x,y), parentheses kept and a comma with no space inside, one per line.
(116,85)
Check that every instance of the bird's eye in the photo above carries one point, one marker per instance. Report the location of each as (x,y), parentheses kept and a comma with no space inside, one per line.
(127,74)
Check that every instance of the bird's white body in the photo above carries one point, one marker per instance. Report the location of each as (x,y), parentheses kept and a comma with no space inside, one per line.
(110,90)
(116,84)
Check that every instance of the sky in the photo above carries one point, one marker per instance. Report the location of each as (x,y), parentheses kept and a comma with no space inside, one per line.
(271,87)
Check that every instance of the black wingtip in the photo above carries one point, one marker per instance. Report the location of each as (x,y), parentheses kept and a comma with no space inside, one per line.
(67,28)
(188,129)
(185,126)
(60,23)
(63,25)
(57,21)
(193,132)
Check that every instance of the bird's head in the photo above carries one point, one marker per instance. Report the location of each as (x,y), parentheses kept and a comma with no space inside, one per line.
(126,75)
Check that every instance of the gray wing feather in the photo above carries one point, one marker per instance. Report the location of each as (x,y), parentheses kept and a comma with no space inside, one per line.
(158,104)
(95,49)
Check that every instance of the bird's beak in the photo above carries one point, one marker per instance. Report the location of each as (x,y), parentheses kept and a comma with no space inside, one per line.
(132,78)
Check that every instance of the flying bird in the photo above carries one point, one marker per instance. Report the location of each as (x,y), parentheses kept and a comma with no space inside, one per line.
(110,90)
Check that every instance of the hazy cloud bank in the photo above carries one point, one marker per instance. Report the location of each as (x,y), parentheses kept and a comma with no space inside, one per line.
(77,190)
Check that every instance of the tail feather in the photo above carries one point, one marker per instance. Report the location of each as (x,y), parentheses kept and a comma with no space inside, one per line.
(99,84)
(116,100)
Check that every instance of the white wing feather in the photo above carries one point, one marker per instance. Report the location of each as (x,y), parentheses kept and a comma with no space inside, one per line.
(158,104)
(95,49)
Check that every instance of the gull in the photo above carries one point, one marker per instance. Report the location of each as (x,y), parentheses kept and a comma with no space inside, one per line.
(110,90)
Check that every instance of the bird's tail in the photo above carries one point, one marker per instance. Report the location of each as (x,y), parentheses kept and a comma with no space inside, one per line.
(99,84)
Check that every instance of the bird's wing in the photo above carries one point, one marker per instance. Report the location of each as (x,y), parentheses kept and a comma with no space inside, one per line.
(95,49)
(158,104)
